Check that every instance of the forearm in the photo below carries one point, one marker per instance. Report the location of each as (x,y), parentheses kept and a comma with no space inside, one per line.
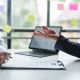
(68,46)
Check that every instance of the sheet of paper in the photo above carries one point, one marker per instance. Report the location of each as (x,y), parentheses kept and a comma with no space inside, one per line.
(60,6)
(74,23)
(73,6)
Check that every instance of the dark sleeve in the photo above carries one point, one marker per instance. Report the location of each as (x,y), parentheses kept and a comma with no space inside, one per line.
(68,46)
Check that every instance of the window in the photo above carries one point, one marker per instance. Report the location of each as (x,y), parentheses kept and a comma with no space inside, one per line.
(65,13)
(26,14)
(3,16)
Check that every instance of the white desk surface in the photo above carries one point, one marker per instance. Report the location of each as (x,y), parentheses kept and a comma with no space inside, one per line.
(72,73)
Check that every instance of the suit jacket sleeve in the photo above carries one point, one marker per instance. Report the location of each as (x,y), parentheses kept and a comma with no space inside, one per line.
(68,46)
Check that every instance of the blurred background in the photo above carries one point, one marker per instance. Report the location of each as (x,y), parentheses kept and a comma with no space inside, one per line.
(18,18)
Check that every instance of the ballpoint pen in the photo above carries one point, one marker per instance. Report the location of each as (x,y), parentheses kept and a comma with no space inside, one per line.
(0,66)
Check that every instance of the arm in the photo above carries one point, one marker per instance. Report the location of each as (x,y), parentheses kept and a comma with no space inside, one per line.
(67,46)
(62,43)
(4,55)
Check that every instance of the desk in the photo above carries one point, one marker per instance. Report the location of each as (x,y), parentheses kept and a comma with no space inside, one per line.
(72,72)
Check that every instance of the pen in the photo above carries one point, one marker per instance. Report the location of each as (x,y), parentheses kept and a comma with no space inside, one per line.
(0,66)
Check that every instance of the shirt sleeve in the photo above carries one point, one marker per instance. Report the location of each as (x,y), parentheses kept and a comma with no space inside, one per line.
(68,46)
(3,46)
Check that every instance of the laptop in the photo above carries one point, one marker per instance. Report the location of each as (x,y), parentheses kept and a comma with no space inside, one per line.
(40,46)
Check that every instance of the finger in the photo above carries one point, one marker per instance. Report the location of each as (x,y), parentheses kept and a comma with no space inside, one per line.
(38,34)
(2,59)
(7,56)
(42,33)
(4,53)
(45,27)
(46,31)
(53,36)
(3,62)
(49,30)
(8,53)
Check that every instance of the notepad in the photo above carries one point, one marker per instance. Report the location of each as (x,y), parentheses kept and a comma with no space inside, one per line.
(74,23)
(60,6)
(27,62)
(73,6)
(55,65)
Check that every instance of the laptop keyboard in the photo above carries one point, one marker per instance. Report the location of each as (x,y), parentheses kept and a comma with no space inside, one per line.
(36,53)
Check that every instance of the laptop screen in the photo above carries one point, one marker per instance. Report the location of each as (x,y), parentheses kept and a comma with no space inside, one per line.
(42,43)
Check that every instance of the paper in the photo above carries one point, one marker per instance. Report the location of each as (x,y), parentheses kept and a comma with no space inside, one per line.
(73,6)
(1,8)
(30,18)
(62,0)
(6,28)
(27,62)
(74,23)
(60,6)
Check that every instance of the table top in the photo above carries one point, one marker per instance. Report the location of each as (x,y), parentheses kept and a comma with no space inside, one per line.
(72,73)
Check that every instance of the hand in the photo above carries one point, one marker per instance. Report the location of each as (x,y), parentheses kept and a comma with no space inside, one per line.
(47,33)
(4,56)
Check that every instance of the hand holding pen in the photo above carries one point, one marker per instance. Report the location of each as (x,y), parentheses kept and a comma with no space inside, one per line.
(4,56)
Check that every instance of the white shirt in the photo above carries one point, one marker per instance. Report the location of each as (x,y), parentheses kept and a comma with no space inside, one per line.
(3,46)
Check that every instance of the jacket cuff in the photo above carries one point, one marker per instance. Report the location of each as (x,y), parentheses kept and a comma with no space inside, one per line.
(60,41)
